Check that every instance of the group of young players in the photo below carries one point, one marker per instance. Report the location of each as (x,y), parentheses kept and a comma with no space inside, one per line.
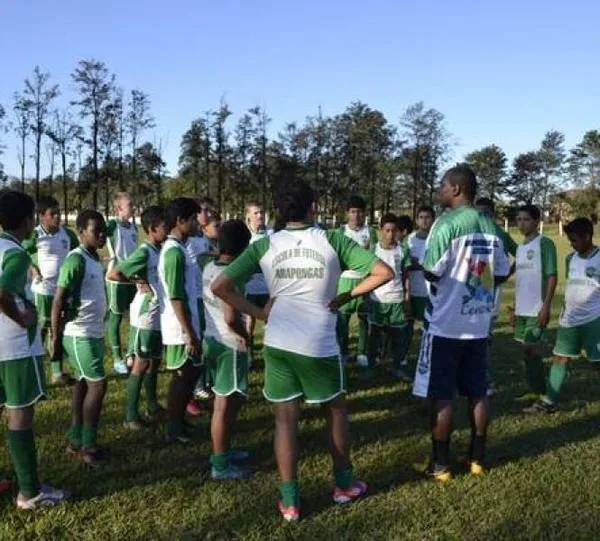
(195,288)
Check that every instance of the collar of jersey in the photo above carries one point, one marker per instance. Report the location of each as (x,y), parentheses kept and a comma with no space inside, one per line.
(592,253)
(153,246)
(46,232)
(8,236)
(221,263)
(298,227)
(176,240)
(525,243)
(84,249)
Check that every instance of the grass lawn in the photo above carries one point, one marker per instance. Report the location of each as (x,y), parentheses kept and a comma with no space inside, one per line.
(542,484)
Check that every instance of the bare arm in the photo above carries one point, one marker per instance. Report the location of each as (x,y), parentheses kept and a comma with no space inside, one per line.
(235,324)
(544,315)
(380,274)
(115,275)
(9,307)
(183,318)
(224,288)
(56,323)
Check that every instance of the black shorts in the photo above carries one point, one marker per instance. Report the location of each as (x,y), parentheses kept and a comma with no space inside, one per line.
(449,364)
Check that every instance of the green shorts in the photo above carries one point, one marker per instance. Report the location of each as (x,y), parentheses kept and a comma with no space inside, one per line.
(119,296)
(43,305)
(146,344)
(258,300)
(527,330)
(417,308)
(86,356)
(176,356)
(201,315)
(358,305)
(227,367)
(22,382)
(291,375)
(387,314)
(571,341)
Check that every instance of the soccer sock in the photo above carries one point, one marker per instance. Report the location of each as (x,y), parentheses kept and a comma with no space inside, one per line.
(74,435)
(556,379)
(220,462)
(374,344)
(343,477)
(88,436)
(534,372)
(399,343)
(114,324)
(150,385)
(343,324)
(440,452)
(477,448)
(21,447)
(56,368)
(134,387)
(290,493)
(363,334)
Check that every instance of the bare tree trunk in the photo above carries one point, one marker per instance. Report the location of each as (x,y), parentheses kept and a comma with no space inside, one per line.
(64,185)
(95,165)
(38,144)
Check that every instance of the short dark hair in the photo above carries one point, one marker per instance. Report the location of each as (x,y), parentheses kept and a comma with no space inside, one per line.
(426,208)
(486,202)
(388,218)
(234,237)
(356,202)
(293,200)
(44,203)
(152,217)
(15,208)
(463,176)
(204,200)
(532,210)
(580,227)
(405,223)
(180,208)
(87,216)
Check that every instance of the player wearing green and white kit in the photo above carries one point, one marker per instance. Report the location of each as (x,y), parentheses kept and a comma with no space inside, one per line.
(464,261)
(302,265)
(179,320)
(48,247)
(579,322)
(536,277)
(225,347)
(365,237)
(390,303)
(21,368)
(78,314)
(121,243)
(145,341)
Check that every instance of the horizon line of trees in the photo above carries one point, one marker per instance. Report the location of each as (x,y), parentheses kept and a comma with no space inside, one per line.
(97,145)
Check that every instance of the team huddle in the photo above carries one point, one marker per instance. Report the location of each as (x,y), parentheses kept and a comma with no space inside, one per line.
(195,288)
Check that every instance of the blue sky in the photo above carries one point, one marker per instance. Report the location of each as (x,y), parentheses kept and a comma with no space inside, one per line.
(501,72)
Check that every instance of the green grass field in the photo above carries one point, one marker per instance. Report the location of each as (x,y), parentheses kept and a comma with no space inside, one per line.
(542,483)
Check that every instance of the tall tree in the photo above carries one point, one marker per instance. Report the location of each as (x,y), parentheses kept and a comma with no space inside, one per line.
(221,139)
(65,132)
(261,123)
(22,127)
(38,97)
(94,85)
(490,166)
(3,177)
(525,182)
(120,128)
(551,158)
(583,164)
(194,155)
(138,121)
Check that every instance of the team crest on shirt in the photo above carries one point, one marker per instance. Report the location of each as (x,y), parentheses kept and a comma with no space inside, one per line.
(65,244)
(530,254)
(480,289)
(592,272)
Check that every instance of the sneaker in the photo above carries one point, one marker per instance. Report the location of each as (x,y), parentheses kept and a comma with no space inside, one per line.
(202,394)
(181,438)
(194,409)
(362,360)
(238,455)
(134,426)
(120,367)
(61,380)
(476,468)
(231,472)
(401,375)
(94,456)
(441,474)
(48,497)
(289,514)
(541,406)
(356,490)
(492,391)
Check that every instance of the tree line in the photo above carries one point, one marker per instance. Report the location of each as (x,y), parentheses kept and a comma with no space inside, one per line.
(97,144)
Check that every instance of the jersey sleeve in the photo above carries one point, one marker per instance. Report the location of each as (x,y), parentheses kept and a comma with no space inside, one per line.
(373,238)
(30,244)
(248,263)
(14,271)
(548,252)
(74,241)
(437,249)
(351,255)
(406,260)
(174,269)
(204,259)
(71,273)
(568,264)
(510,246)
(136,264)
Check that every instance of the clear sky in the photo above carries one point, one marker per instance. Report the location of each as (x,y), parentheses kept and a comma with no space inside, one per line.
(502,72)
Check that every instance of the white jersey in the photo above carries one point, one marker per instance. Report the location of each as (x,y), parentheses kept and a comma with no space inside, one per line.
(397,258)
(175,284)
(15,341)
(82,276)
(121,241)
(196,247)
(213,309)
(51,249)
(582,293)
(257,285)
(366,238)
(302,267)
(535,262)
(416,248)
(144,312)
